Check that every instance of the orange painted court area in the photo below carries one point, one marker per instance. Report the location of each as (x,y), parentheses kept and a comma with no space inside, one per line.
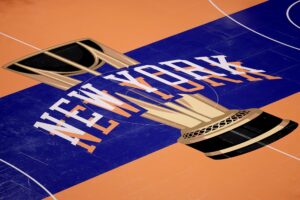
(176,172)
(180,172)
(122,25)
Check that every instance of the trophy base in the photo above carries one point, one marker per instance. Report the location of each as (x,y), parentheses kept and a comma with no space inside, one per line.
(237,133)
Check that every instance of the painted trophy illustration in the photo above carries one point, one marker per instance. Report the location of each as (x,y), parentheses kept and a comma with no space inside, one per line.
(205,125)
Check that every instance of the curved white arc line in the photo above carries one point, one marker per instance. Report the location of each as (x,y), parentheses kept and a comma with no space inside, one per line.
(246,27)
(31,178)
(288,14)
(20,41)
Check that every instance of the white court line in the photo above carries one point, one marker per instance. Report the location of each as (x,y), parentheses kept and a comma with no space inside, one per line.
(250,29)
(224,13)
(284,153)
(34,47)
(31,178)
(274,40)
(7,163)
(20,41)
(288,14)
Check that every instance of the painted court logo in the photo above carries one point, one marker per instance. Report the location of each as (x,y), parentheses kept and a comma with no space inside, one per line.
(166,92)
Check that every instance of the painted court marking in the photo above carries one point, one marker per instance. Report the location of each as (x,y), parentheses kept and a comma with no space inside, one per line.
(270,147)
(250,29)
(20,41)
(149,97)
(288,14)
(283,152)
(31,178)
(220,10)
(267,37)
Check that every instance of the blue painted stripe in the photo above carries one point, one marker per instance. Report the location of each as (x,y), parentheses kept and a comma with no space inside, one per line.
(59,165)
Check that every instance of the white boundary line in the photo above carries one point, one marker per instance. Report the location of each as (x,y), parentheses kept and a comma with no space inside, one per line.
(250,29)
(7,163)
(20,41)
(274,40)
(225,14)
(282,152)
(288,14)
(31,178)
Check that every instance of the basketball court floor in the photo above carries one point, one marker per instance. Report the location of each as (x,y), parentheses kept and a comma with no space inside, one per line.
(112,99)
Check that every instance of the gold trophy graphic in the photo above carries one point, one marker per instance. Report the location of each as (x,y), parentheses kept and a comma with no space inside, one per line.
(204,124)
(213,129)
(55,65)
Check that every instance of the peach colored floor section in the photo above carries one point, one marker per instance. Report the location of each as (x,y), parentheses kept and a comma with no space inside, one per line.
(123,25)
(181,173)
